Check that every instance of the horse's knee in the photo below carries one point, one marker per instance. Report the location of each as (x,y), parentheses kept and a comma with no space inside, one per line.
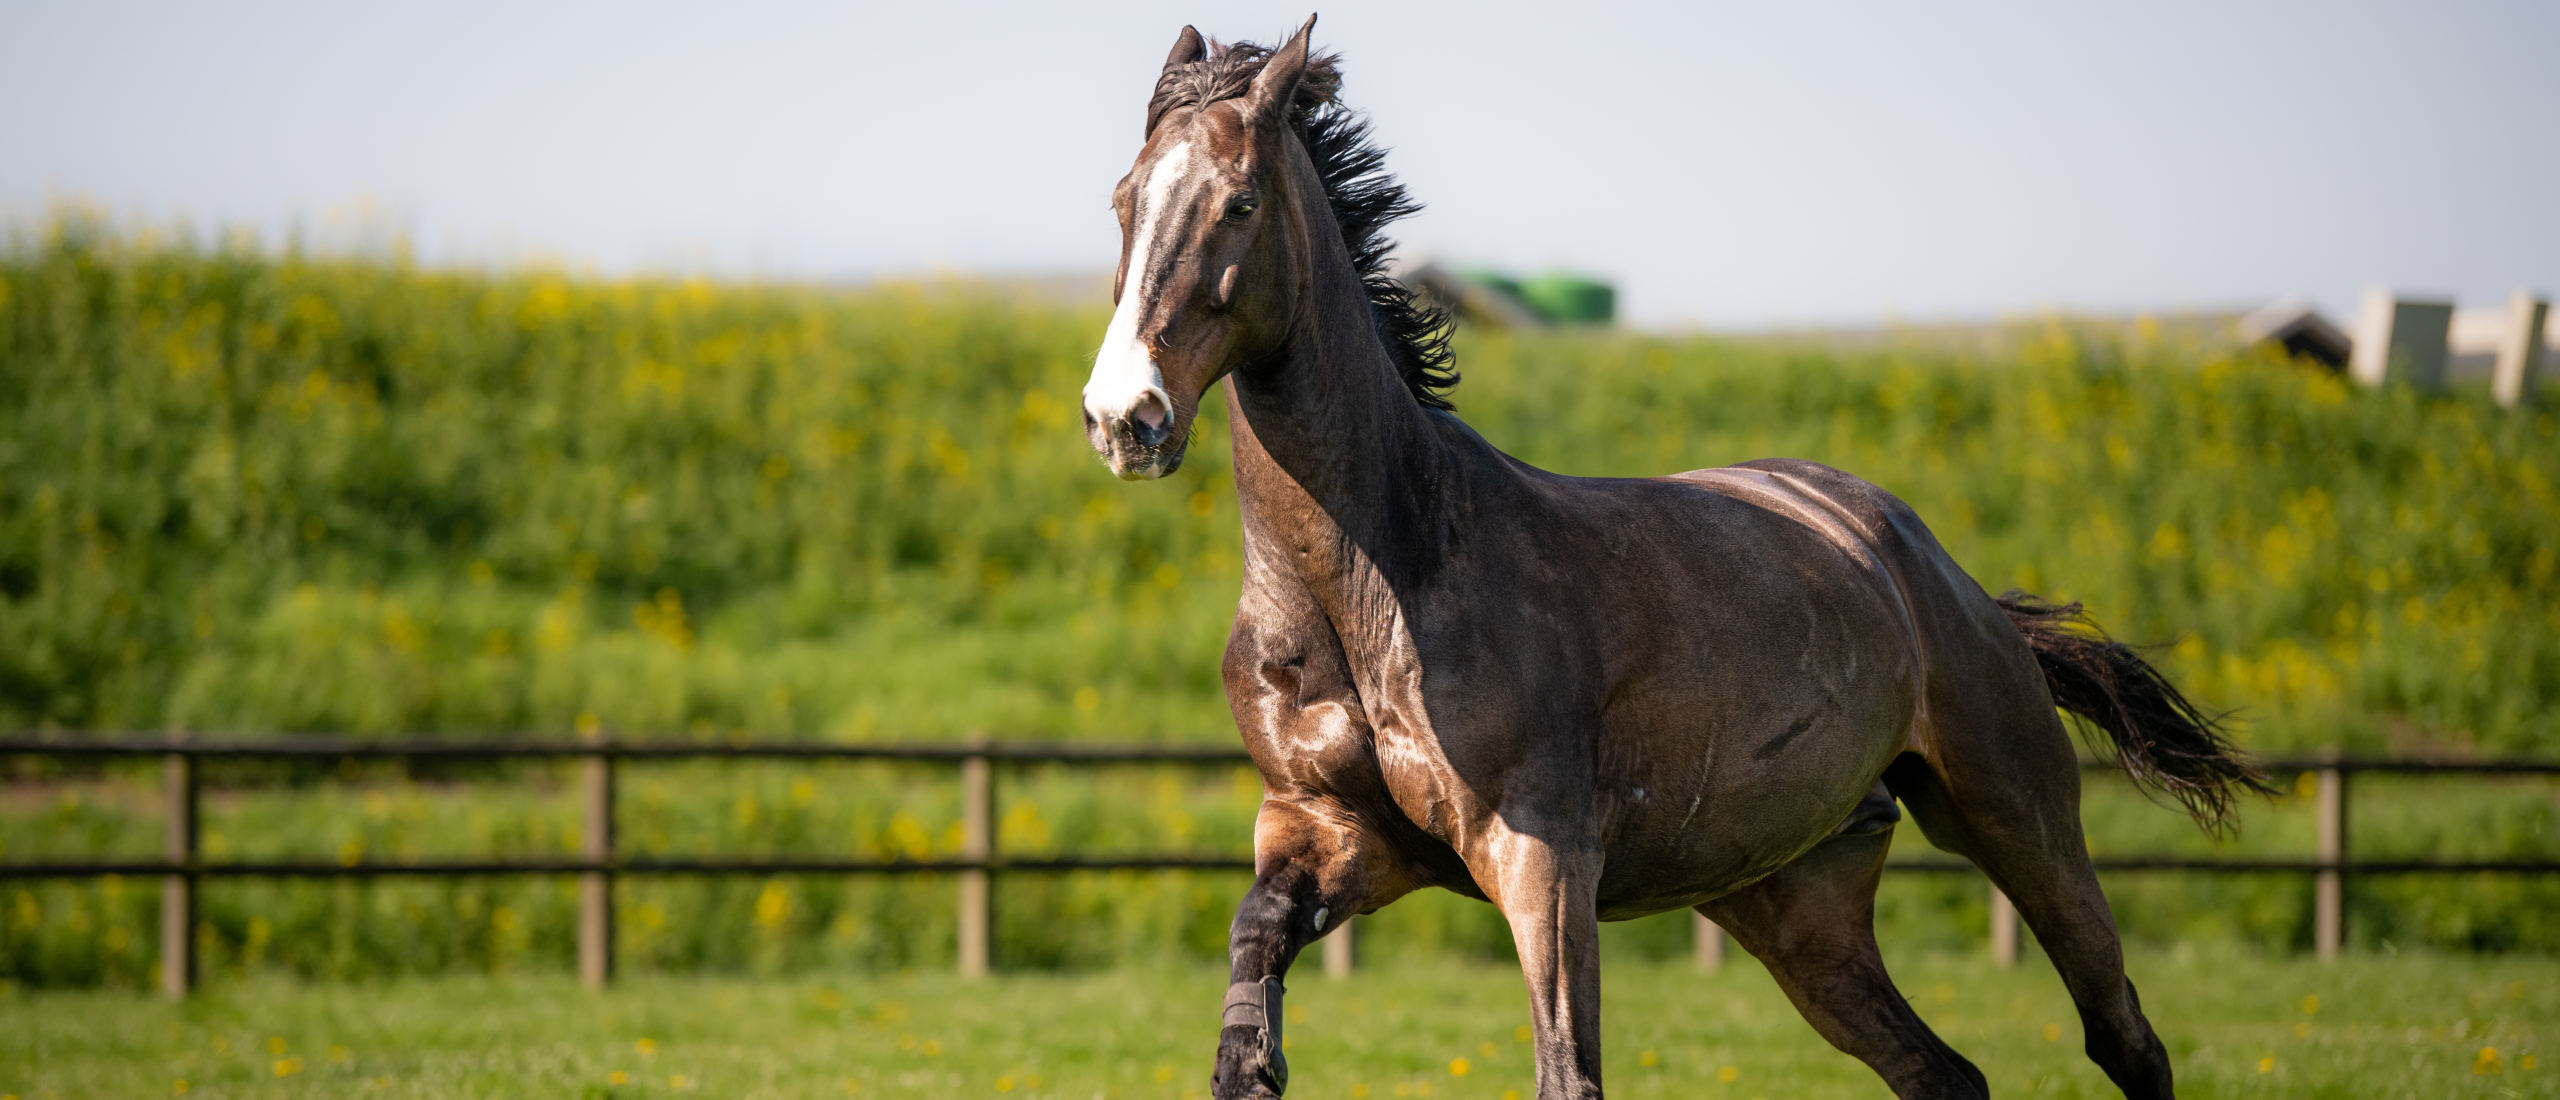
(1283,912)
(1313,870)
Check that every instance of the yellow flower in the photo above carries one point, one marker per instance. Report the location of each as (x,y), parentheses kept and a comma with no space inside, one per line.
(1458,1067)
(773,906)
(2053,1033)
(1728,1073)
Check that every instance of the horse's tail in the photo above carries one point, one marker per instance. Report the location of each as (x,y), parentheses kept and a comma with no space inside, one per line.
(2154,733)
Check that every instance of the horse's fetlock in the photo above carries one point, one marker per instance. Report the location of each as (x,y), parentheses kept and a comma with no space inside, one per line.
(1250,1065)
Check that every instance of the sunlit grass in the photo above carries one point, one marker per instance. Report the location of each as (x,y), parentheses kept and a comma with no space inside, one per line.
(245,492)
(2237,1025)
(69,933)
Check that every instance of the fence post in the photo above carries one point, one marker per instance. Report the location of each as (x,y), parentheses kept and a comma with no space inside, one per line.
(2329,892)
(1710,943)
(2004,930)
(178,891)
(2519,349)
(977,844)
(595,888)
(1338,952)
(2398,340)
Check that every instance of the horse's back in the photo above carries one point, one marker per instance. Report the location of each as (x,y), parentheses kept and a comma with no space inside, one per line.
(1976,669)
(1868,524)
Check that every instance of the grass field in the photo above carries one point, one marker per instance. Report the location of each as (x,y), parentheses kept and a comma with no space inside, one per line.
(250,491)
(2371,1026)
(81,933)
(244,490)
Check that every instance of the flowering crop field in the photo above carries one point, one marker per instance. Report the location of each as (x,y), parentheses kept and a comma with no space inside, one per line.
(242,491)
(2238,1025)
(249,491)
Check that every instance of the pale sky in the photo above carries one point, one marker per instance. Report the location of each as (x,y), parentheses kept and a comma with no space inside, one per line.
(1731,165)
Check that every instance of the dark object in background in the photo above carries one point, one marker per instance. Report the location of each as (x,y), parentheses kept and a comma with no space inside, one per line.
(2300,330)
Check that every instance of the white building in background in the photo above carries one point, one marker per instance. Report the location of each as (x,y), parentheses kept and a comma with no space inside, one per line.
(2412,340)
(2511,344)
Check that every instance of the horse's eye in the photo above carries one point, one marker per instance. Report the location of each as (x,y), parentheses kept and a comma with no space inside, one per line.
(1240,209)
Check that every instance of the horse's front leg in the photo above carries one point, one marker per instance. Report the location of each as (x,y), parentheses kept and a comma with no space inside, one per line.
(1547,882)
(1308,879)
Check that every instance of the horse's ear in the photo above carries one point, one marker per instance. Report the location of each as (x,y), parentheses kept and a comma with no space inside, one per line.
(1187,48)
(1277,85)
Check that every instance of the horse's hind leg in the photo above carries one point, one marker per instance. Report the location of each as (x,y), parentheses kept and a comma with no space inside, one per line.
(1813,925)
(2004,792)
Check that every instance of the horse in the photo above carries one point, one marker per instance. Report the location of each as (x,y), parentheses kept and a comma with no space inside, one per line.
(1580,699)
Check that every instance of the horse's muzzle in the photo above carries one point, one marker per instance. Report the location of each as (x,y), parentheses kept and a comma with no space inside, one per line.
(1139,443)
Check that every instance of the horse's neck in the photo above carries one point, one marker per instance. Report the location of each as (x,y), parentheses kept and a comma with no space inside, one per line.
(1338,469)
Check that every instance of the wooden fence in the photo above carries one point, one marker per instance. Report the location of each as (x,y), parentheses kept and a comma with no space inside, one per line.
(182,868)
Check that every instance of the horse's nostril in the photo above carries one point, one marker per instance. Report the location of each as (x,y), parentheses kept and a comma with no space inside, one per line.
(1088,420)
(1149,420)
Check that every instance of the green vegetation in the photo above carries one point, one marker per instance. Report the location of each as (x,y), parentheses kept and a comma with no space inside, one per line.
(246,492)
(68,933)
(249,492)
(2236,1025)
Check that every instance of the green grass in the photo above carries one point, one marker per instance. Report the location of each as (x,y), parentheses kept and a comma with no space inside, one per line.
(2385,1026)
(248,491)
(78,933)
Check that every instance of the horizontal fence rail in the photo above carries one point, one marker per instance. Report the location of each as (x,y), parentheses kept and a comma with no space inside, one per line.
(182,867)
(330,748)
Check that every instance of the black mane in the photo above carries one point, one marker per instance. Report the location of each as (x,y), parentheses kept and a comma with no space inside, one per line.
(1364,198)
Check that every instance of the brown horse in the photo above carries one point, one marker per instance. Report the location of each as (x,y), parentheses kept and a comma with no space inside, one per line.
(1580,699)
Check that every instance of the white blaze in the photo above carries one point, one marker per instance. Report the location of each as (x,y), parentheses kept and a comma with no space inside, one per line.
(1125,370)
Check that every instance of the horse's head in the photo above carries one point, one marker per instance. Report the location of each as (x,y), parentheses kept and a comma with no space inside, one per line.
(1209,249)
